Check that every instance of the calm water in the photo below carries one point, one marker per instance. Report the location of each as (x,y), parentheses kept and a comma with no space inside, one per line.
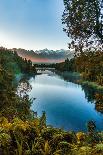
(64,102)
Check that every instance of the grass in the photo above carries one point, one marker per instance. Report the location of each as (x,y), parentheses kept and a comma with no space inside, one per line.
(93,85)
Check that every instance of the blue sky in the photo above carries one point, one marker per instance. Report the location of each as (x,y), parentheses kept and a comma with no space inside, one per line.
(32,24)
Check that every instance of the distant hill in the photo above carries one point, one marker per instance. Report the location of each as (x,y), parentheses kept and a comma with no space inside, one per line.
(45,55)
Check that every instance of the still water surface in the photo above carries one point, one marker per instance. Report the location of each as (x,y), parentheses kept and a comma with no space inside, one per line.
(64,102)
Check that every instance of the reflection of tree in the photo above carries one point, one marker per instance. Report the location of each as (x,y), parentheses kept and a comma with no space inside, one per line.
(23,87)
(69,76)
(89,93)
(22,90)
(92,95)
(99,102)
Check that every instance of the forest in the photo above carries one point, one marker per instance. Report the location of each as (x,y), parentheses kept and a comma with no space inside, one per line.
(88,64)
(21,131)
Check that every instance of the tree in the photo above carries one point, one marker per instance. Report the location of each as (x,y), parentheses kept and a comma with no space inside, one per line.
(43,120)
(91,126)
(83,20)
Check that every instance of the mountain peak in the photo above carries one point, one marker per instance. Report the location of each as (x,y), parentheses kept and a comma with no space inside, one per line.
(45,55)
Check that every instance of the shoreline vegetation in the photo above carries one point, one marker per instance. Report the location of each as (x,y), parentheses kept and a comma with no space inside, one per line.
(77,78)
(22,132)
(93,85)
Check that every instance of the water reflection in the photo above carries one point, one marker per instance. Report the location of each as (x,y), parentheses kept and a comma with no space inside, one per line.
(23,86)
(67,105)
(91,94)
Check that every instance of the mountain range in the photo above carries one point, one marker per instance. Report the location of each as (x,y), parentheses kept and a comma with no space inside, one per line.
(45,55)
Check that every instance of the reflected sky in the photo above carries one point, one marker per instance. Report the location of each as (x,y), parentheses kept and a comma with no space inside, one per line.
(64,103)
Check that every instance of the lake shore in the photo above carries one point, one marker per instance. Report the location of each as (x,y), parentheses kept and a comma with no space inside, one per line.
(77,78)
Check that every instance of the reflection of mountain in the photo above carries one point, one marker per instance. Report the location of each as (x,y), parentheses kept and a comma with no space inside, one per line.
(45,55)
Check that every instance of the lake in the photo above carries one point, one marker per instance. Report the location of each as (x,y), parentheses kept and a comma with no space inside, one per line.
(64,102)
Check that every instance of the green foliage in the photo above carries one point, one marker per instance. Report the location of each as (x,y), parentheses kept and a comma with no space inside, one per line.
(65,147)
(25,137)
(43,121)
(98,149)
(68,65)
(14,64)
(89,64)
(83,22)
(4,139)
(91,126)
(11,104)
(23,134)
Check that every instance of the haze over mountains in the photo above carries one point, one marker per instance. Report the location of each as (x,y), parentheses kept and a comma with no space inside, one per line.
(45,55)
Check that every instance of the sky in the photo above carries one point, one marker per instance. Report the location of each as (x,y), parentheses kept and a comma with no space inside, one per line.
(32,24)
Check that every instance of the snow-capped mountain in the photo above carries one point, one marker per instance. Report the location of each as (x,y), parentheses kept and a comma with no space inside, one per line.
(45,55)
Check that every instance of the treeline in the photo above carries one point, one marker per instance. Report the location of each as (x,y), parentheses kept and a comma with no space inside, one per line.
(68,65)
(22,133)
(11,104)
(88,63)
(43,65)
(14,64)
